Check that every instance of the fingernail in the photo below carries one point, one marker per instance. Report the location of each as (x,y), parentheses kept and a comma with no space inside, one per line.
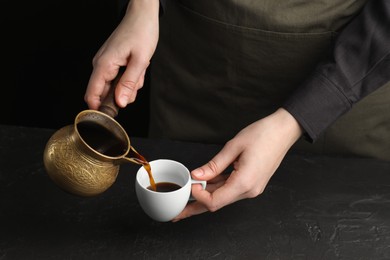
(123,100)
(198,172)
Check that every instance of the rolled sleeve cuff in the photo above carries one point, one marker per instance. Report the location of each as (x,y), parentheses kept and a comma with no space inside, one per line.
(316,105)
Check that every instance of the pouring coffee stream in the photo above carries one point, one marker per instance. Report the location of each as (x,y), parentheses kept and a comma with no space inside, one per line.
(84,158)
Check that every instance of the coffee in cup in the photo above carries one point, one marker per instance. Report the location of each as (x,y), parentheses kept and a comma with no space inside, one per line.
(173,183)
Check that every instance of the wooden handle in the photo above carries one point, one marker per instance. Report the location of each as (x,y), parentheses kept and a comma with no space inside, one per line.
(109,106)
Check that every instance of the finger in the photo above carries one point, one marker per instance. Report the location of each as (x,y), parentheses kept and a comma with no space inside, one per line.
(105,90)
(214,186)
(213,198)
(227,193)
(218,164)
(193,208)
(142,79)
(138,86)
(218,179)
(128,84)
(97,88)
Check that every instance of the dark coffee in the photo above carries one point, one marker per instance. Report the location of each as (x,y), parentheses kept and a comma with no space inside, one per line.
(101,139)
(165,187)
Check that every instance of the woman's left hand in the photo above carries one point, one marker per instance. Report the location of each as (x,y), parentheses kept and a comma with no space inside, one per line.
(255,152)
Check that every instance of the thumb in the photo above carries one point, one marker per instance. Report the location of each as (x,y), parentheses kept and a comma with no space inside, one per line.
(218,164)
(128,84)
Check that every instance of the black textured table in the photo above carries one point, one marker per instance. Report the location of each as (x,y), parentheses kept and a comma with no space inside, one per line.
(314,207)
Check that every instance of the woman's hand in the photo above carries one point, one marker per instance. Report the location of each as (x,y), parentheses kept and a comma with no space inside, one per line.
(255,152)
(132,44)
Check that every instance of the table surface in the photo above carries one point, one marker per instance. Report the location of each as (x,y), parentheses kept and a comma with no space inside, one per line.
(314,207)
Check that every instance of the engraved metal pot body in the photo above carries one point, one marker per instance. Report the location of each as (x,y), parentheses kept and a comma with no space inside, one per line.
(78,168)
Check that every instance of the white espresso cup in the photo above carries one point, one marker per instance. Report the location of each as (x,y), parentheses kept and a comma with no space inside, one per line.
(164,206)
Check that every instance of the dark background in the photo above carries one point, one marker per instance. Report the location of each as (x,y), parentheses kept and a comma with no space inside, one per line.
(47,50)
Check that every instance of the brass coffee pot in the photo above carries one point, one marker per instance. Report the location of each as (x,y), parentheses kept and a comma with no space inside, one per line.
(84,158)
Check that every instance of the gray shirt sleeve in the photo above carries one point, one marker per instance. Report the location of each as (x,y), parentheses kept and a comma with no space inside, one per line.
(358,65)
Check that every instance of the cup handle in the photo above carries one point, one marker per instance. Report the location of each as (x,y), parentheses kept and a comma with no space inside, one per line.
(203,183)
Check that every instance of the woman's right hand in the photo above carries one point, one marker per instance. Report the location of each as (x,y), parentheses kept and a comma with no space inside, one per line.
(132,44)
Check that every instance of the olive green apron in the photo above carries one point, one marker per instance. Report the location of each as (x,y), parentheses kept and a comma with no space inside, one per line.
(221,65)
